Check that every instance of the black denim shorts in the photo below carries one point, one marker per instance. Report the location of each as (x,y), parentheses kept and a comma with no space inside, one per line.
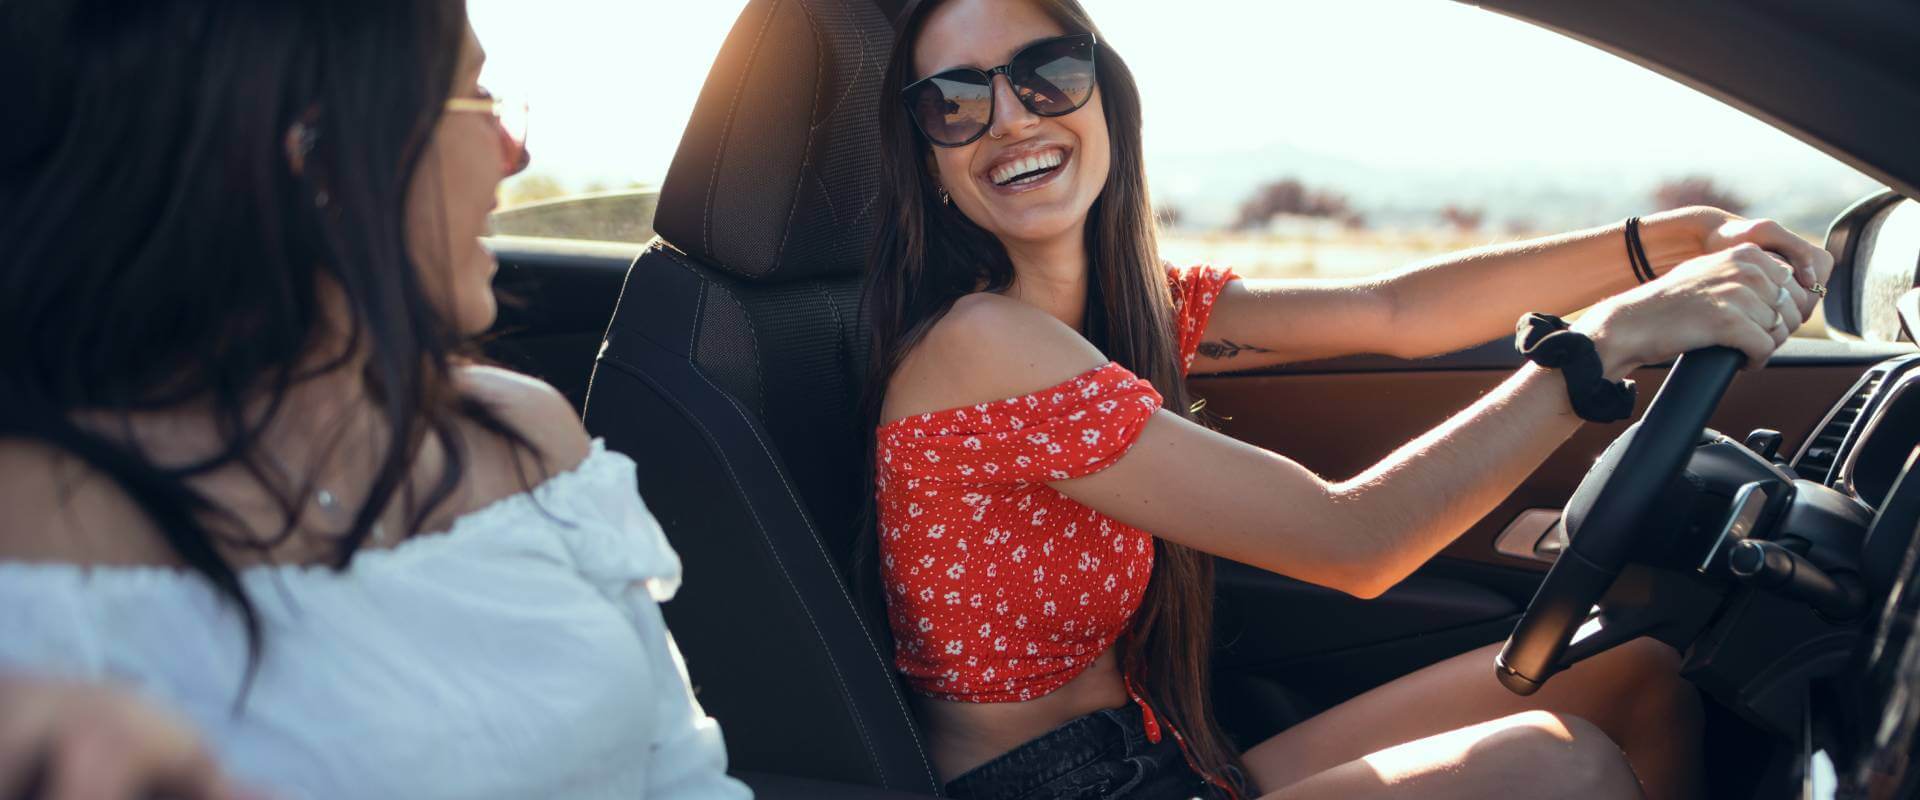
(1101,755)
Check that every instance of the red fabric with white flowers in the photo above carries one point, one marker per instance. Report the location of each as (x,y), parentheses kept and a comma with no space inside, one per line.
(999,588)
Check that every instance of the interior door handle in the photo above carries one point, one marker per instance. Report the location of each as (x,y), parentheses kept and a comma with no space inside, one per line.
(1534,534)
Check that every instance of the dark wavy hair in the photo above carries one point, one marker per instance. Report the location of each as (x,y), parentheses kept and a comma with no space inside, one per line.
(160,252)
(929,255)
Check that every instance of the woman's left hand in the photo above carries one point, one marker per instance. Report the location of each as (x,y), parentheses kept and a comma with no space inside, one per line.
(1698,230)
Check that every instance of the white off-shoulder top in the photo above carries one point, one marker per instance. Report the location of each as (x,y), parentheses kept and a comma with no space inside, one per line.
(520,654)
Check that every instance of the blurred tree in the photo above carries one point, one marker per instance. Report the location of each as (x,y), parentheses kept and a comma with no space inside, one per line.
(1290,196)
(531,189)
(1696,190)
(1461,219)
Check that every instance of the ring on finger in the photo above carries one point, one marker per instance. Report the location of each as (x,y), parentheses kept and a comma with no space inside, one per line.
(1818,288)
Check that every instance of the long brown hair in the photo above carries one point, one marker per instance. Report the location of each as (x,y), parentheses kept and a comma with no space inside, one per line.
(163,254)
(928,255)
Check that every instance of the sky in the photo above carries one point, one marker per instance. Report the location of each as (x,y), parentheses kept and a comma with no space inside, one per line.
(1229,87)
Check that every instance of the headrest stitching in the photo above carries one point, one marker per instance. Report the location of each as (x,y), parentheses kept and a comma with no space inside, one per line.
(866,208)
(813,127)
(733,106)
(846,90)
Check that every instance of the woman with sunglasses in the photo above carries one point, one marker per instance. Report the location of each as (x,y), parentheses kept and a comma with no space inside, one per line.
(266,521)
(1048,506)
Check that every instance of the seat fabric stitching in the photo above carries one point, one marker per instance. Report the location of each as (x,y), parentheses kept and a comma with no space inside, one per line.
(726,130)
(813,127)
(761,527)
(887,665)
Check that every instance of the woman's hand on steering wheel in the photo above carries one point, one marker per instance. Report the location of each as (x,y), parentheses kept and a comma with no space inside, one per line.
(1741,297)
(66,739)
(1698,230)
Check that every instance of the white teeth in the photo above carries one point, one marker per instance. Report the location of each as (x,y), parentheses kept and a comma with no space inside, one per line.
(1007,172)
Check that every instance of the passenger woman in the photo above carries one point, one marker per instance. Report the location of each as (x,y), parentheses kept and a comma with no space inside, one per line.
(264,518)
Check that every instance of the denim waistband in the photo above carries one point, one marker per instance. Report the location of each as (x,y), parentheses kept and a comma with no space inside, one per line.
(1107,734)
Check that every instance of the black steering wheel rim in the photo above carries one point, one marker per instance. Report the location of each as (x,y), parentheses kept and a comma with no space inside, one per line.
(1603,519)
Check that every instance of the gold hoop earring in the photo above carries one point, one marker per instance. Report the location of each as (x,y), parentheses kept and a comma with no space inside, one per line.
(990,135)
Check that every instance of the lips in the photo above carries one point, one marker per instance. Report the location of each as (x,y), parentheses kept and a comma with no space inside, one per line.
(1026,166)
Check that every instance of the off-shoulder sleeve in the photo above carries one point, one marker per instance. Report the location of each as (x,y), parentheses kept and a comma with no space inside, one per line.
(1067,431)
(619,546)
(618,543)
(1195,289)
(46,624)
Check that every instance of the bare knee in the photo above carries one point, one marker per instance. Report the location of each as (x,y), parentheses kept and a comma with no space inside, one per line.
(1570,756)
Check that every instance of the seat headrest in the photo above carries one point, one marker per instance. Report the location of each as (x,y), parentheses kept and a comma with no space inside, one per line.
(777,173)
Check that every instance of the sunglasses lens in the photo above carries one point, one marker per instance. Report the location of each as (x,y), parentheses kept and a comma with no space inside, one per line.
(513,120)
(1056,77)
(953,107)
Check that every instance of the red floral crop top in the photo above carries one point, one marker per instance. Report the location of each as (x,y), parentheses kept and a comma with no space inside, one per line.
(999,588)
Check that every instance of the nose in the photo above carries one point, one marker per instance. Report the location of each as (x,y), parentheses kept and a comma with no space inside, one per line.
(518,160)
(1009,114)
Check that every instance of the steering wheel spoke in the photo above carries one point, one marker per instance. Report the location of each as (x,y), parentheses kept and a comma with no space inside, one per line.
(1605,518)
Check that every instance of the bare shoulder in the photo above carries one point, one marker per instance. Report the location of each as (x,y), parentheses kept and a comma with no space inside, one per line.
(533,408)
(60,509)
(987,347)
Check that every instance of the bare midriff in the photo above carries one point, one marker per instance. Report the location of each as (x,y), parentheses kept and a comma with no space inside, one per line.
(965,735)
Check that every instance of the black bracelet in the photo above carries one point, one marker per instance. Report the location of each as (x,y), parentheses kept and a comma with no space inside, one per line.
(1545,340)
(1637,252)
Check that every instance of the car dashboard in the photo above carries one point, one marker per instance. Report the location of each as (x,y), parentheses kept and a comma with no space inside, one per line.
(1863,442)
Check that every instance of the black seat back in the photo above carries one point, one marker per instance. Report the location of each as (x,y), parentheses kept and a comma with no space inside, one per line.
(731,374)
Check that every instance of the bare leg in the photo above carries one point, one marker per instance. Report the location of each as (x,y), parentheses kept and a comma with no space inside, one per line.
(1633,693)
(1528,755)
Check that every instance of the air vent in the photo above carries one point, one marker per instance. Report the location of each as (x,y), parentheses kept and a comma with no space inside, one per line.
(1816,461)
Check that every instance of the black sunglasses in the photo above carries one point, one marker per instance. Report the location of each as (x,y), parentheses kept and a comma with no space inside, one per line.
(1052,77)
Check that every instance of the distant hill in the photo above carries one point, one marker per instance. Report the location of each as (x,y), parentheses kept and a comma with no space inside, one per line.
(1209,188)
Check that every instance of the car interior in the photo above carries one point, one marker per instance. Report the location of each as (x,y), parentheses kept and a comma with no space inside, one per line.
(1763,524)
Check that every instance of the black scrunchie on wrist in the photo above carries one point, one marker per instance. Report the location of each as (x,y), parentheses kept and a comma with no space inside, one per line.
(1545,340)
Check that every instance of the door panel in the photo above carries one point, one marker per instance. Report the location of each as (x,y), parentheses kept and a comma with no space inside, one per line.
(556,299)
(1338,420)
(1289,649)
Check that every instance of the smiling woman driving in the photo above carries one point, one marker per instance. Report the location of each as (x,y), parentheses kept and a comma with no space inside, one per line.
(255,492)
(1048,505)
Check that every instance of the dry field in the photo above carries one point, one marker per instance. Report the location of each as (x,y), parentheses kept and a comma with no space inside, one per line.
(1338,254)
(1320,254)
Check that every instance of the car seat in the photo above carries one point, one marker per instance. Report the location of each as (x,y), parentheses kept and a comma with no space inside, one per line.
(731,372)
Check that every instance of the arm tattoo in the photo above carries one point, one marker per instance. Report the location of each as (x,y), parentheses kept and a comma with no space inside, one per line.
(1226,348)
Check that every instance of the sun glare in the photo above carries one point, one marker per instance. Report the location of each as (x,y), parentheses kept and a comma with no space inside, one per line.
(1402,114)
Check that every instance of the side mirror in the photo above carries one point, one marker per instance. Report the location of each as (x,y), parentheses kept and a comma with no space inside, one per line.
(1875,246)
(1909,308)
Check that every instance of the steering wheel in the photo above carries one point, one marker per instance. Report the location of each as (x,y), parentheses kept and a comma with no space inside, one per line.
(1603,519)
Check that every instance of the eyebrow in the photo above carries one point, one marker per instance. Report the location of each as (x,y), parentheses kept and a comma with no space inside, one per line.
(1016,51)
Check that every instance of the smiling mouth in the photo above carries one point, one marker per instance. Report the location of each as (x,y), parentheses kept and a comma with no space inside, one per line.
(1027,170)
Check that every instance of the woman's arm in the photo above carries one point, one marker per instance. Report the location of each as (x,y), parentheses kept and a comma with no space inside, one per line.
(1191,485)
(1473,296)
